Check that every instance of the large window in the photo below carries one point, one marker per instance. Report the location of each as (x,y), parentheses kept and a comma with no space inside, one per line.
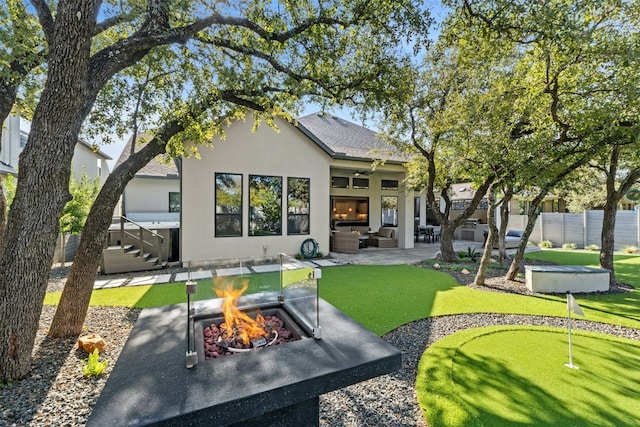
(298,207)
(228,205)
(174,202)
(265,205)
(390,211)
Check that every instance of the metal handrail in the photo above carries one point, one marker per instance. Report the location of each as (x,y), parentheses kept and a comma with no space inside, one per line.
(140,237)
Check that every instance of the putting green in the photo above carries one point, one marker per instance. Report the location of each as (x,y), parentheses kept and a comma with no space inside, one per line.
(515,376)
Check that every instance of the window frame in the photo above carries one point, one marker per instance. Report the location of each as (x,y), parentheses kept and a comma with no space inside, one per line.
(278,227)
(382,209)
(291,216)
(236,215)
(174,193)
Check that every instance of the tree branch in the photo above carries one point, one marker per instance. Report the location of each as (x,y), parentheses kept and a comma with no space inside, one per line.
(45,18)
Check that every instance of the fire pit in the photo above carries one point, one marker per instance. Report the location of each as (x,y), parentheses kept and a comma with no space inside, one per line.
(269,386)
(211,342)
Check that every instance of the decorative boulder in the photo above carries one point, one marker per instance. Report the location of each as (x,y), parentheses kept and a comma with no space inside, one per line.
(90,342)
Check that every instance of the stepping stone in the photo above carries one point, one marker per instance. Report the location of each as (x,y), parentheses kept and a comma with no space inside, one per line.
(195,275)
(150,280)
(109,283)
(234,271)
(309,264)
(324,263)
(267,268)
(294,266)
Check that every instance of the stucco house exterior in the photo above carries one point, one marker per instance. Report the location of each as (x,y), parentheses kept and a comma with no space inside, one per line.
(153,195)
(86,160)
(266,192)
(15,133)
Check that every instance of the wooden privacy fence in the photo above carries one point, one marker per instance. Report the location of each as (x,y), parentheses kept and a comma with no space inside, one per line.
(583,229)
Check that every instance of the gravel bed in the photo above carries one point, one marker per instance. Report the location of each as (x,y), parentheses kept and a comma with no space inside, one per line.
(57,394)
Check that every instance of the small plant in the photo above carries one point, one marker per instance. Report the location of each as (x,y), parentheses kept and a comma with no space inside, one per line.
(93,366)
(569,246)
(630,249)
(594,248)
(545,244)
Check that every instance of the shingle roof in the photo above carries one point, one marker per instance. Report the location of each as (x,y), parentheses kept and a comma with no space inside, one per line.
(95,149)
(347,140)
(155,168)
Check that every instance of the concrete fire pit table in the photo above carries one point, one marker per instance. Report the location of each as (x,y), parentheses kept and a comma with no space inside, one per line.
(278,385)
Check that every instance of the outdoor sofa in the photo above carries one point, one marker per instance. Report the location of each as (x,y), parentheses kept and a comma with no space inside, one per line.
(384,238)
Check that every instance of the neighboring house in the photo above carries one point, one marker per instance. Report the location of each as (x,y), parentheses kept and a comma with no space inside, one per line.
(15,133)
(86,160)
(462,193)
(266,192)
(153,194)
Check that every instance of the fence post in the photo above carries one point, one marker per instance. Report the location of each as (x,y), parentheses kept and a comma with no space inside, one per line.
(585,224)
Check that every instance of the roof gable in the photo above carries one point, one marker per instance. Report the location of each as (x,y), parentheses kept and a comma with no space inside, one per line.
(347,140)
(156,168)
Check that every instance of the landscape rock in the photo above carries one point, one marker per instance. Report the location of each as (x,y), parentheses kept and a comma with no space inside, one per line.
(90,342)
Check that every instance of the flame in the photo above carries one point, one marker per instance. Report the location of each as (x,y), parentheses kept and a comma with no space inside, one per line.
(236,322)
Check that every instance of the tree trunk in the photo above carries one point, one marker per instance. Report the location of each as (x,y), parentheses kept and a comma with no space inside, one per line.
(607,237)
(516,262)
(504,223)
(491,238)
(74,303)
(27,249)
(447,252)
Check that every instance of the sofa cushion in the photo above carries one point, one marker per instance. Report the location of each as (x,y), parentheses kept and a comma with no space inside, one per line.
(385,232)
(343,228)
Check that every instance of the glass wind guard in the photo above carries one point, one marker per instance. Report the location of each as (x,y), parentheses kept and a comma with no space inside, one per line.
(259,282)
(300,292)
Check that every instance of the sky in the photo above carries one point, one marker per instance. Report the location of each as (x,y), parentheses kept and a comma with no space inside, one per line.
(438,12)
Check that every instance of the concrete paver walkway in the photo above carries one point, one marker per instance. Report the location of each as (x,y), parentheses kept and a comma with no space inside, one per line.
(366,256)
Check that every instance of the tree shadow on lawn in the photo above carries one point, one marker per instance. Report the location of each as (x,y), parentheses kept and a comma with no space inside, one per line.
(497,393)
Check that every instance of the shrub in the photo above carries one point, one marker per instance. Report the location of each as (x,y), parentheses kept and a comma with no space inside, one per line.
(93,366)
(569,246)
(592,248)
(546,244)
(630,249)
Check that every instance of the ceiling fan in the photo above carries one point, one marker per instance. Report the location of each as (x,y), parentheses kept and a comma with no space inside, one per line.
(358,173)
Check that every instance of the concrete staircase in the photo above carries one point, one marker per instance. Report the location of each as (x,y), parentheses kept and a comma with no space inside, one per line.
(117,259)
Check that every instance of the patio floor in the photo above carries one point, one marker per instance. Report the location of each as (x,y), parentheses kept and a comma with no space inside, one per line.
(394,256)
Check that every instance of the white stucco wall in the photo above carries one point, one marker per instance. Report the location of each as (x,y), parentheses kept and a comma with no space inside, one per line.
(85,159)
(287,154)
(149,194)
(10,148)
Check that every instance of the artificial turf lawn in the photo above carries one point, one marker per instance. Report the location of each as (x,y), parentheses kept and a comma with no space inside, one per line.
(515,376)
(382,298)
